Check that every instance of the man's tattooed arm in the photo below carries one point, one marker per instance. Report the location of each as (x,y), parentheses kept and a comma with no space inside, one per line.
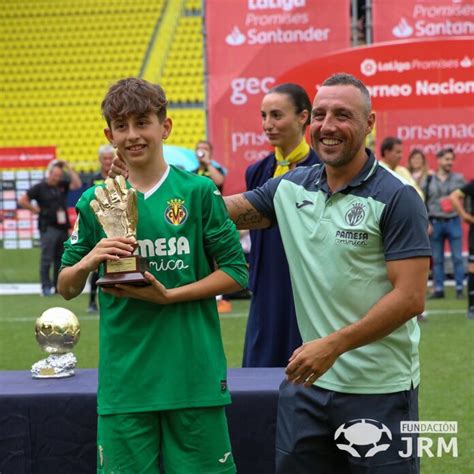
(244,214)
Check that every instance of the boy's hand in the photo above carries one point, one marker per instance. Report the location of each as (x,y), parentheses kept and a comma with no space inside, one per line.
(118,167)
(155,293)
(108,249)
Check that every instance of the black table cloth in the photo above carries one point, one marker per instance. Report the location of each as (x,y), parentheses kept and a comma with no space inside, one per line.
(49,426)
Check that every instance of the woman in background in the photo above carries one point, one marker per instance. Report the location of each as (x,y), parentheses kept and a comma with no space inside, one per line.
(418,167)
(272,333)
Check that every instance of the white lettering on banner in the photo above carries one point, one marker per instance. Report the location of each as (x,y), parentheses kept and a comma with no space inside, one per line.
(422,88)
(390,90)
(242,86)
(435,64)
(255,155)
(459,148)
(449,87)
(288,36)
(446,27)
(370,67)
(244,139)
(397,66)
(442,11)
(286,5)
(436,131)
(276,19)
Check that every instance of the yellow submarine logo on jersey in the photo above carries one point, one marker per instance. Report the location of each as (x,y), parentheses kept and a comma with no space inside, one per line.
(176,213)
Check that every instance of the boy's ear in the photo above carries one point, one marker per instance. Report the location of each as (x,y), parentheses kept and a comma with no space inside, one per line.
(109,136)
(167,126)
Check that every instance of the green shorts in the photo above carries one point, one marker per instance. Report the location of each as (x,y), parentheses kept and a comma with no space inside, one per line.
(191,440)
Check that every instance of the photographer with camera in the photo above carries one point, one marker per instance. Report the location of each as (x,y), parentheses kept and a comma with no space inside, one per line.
(212,169)
(53,221)
(207,166)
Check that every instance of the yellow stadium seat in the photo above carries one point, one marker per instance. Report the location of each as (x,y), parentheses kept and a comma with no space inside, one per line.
(59,64)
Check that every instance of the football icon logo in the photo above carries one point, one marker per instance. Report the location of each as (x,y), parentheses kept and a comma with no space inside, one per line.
(363,438)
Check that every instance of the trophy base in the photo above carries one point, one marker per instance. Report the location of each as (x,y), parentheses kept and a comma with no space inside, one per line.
(61,375)
(125,271)
(112,279)
(55,366)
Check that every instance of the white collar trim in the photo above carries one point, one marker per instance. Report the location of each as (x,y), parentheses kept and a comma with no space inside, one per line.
(151,191)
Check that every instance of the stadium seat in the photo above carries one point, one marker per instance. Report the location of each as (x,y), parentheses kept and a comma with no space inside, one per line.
(59,58)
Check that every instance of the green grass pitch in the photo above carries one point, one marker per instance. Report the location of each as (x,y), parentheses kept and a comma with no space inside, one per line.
(447,356)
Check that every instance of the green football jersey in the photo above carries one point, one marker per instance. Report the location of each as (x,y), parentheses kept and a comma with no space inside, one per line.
(157,357)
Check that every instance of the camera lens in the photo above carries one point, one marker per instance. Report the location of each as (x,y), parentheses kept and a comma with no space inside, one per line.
(200,153)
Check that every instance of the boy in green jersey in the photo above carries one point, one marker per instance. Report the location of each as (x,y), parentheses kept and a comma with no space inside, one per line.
(162,370)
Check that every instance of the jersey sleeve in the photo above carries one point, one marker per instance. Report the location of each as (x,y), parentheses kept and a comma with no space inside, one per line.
(83,238)
(261,198)
(221,239)
(404,226)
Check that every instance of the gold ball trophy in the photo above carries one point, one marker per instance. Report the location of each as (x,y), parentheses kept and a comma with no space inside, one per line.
(115,207)
(57,332)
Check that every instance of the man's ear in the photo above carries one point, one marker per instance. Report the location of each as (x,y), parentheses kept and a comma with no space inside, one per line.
(370,123)
(109,136)
(167,127)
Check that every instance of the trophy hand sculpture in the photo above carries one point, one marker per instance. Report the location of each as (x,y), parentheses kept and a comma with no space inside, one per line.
(115,207)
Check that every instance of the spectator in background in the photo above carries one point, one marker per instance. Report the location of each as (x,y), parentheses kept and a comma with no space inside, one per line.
(213,170)
(53,220)
(106,156)
(272,332)
(463,202)
(207,166)
(418,167)
(391,152)
(445,222)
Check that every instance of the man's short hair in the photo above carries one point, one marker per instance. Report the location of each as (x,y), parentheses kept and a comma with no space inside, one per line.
(134,97)
(388,144)
(345,79)
(444,151)
(205,142)
(104,149)
(54,164)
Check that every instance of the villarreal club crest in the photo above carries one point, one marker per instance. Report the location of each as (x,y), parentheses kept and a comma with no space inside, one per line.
(176,213)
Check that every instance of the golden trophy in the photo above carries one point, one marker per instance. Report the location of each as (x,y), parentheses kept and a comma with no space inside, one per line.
(57,332)
(115,207)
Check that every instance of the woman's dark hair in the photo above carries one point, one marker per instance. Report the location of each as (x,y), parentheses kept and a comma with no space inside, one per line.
(298,96)
(417,151)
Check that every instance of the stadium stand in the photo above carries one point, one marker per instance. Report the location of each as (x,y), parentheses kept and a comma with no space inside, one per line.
(59,58)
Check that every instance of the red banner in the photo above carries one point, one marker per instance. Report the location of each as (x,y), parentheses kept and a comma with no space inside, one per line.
(421,19)
(27,157)
(249,44)
(422,92)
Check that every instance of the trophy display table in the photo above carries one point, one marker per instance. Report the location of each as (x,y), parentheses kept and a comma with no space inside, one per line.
(50,425)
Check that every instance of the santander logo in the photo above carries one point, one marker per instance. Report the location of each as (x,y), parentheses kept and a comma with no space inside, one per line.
(466,62)
(403,29)
(235,38)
